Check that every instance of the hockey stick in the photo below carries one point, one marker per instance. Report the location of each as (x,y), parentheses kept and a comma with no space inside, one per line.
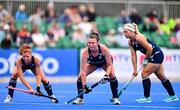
(128,83)
(93,86)
(33,93)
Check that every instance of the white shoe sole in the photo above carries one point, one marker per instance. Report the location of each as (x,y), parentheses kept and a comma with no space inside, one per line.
(7,102)
(144,102)
(114,102)
(171,100)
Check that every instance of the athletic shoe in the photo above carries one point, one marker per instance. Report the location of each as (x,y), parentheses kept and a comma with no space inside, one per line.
(8,99)
(115,101)
(78,101)
(171,99)
(52,100)
(144,100)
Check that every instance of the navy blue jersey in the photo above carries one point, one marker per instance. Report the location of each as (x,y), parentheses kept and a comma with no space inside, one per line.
(28,66)
(99,60)
(157,55)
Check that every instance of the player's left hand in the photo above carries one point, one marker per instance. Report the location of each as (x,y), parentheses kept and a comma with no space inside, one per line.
(39,91)
(105,79)
(31,91)
(87,89)
(145,61)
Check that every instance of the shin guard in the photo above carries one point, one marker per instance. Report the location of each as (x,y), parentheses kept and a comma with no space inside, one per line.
(114,87)
(48,88)
(12,83)
(167,85)
(80,87)
(146,86)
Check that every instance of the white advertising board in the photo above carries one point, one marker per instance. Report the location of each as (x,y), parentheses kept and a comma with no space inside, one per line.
(123,65)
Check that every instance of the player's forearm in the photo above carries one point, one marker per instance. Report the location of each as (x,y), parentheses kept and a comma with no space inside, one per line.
(25,82)
(38,80)
(83,79)
(134,62)
(108,70)
(148,53)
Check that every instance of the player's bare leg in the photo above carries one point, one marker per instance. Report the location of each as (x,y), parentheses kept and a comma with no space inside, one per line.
(80,100)
(166,84)
(114,87)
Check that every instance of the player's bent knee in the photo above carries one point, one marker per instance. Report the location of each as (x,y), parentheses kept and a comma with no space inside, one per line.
(163,79)
(160,76)
(144,75)
(112,76)
(14,76)
(45,81)
(79,78)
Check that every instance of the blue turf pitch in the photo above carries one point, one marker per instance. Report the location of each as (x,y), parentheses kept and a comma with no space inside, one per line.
(98,99)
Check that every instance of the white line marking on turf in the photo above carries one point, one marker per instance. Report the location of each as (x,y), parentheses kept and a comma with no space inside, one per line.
(102,105)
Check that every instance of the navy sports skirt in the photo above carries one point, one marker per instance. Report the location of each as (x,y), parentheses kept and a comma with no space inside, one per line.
(157,57)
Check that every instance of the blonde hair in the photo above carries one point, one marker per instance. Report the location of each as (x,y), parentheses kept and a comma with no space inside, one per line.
(130,27)
(24,48)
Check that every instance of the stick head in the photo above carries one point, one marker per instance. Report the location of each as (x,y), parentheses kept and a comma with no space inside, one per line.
(56,101)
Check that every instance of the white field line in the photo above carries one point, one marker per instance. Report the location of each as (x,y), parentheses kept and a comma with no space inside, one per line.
(102,105)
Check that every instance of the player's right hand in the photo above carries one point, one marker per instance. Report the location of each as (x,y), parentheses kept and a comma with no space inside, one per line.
(31,91)
(39,91)
(105,79)
(87,89)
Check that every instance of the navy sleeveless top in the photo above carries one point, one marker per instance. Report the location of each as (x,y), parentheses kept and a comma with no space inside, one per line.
(28,66)
(157,55)
(99,60)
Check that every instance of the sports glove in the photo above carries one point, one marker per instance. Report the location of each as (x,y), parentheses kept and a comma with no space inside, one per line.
(145,61)
(135,74)
(87,89)
(39,91)
(105,79)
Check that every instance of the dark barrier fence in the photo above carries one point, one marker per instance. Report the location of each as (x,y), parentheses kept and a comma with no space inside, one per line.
(103,7)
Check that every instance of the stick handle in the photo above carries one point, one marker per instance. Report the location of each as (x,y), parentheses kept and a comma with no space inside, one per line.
(94,85)
(80,94)
(127,84)
(18,89)
(33,93)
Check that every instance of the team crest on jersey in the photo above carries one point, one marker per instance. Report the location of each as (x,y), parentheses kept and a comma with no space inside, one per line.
(100,56)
